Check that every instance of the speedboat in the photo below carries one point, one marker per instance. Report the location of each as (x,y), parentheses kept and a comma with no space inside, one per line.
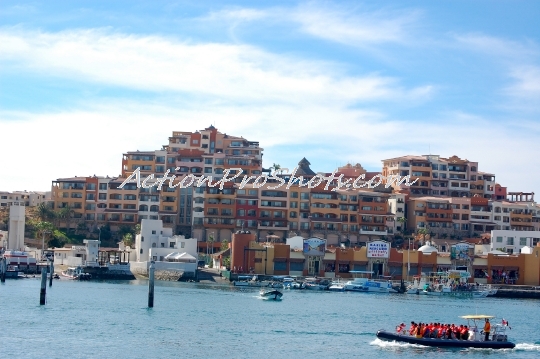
(475,340)
(270,294)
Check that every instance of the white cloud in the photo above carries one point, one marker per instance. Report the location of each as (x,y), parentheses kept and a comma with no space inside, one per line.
(352,26)
(527,82)
(92,142)
(152,63)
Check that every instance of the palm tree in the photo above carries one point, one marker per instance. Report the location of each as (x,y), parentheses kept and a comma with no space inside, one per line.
(43,212)
(276,167)
(66,214)
(42,228)
(424,233)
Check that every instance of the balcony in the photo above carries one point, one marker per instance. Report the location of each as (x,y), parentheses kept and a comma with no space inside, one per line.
(373,232)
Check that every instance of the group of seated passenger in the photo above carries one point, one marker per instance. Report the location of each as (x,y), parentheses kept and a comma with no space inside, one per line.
(435,330)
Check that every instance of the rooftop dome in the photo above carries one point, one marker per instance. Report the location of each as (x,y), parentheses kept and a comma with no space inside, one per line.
(427,248)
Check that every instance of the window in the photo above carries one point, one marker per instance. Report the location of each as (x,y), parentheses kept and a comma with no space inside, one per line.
(294,194)
(304,195)
(510,241)
(153,232)
(252,192)
(523,241)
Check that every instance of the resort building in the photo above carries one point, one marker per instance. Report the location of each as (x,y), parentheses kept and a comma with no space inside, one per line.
(29,199)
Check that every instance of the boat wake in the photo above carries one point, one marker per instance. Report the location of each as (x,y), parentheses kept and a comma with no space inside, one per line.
(527,346)
(394,344)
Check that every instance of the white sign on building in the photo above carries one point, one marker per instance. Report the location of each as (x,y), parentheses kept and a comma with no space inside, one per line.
(378,249)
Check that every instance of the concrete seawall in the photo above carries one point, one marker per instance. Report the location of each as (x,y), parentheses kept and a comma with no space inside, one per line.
(518,292)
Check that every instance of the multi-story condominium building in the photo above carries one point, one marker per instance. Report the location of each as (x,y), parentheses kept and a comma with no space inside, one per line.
(437,176)
(450,198)
(28,199)
(207,152)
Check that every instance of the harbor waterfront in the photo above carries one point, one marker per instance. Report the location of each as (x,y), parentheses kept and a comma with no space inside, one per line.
(193,320)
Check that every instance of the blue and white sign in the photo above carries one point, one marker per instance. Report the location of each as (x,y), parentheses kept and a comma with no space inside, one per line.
(314,247)
(378,249)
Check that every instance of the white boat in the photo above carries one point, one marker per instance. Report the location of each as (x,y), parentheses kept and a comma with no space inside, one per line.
(291,283)
(362,283)
(337,286)
(417,285)
(316,284)
(76,273)
(270,294)
(250,281)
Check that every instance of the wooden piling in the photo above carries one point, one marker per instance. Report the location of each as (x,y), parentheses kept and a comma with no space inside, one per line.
(51,270)
(3,269)
(43,291)
(151,285)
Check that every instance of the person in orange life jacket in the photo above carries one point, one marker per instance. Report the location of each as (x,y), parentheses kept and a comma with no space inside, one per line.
(465,333)
(412,328)
(448,331)
(487,329)
(419,330)
(427,331)
(457,332)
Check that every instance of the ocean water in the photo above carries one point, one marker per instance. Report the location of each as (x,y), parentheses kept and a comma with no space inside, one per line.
(190,320)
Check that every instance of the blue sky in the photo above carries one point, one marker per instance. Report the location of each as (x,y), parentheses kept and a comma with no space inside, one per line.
(81,82)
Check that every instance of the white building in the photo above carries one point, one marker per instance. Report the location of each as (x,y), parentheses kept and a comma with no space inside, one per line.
(175,254)
(86,255)
(16,226)
(511,241)
(29,199)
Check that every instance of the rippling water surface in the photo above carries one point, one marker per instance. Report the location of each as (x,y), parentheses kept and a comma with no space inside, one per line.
(111,320)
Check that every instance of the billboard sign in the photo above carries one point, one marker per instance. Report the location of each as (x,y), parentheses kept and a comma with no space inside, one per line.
(314,247)
(460,251)
(378,249)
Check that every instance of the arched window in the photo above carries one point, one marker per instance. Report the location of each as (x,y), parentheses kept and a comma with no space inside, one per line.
(141,251)
(153,245)
(143,207)
(154,208)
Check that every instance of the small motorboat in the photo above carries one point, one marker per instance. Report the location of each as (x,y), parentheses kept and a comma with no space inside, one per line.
(498,340)
(271,294)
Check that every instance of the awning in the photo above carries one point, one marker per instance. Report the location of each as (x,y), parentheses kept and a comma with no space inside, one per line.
(344,262)
(511,268)
(395,264)
(280,259)
(496,267)
(426,265)
(480,267)
(298,260)
(328,261)
(360,263)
